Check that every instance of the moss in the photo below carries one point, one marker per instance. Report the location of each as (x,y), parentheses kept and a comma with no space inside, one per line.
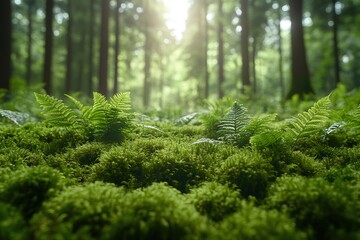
(251,222)
(248,171)
(27,189)
(214,200)
(79,212)
(318,207)
(156,212)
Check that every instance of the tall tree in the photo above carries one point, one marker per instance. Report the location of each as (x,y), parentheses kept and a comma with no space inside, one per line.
(49,16)
(220,55)
(104,47)
(300,77)
(244,21)
(30,13)
(147,55)
(91,48)
(5,44)
(335,41)
(117,46)
(206,42)
(69,46)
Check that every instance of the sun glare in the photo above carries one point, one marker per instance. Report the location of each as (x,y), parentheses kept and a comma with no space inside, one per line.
(177,11)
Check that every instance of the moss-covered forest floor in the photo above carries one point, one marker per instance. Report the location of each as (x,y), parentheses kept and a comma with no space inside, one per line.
(231,172)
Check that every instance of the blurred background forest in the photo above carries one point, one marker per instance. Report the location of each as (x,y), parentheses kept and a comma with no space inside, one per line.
(171,53)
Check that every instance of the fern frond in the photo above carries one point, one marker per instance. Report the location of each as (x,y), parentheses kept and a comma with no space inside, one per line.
(121,101)
(56,111)
(16,117)
(96,115)
(260,124)
(311,121)
(265,139)
(234,121)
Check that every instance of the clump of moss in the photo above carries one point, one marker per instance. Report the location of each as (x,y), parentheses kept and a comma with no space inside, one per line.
(248,171)
(78,212)
(27,188)
(12,224)
(252,222)
(321,209)
(214,200)
(156,212)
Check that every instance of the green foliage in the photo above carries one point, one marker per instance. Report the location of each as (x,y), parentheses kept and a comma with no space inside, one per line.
(156,212)
(321,209)
(254,223)
(178,166)
(248,171)
(12,224)
(310,122)
(27,189)
(121,165)
(214,200)
(106,121)
(79,212)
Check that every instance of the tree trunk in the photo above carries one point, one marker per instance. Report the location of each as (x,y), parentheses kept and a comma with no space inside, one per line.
(48,45)
(220,56)
(104,47)
(300,77)
(281,69)
(91,47)
(244,21)
(69,55)
(29,43)
(148,49)
(253,65)
(206,43)
(336,43)
(5,44)
(117,46)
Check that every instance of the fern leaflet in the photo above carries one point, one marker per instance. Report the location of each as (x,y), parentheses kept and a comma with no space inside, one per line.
(311,121)
(234,121)
(57,112)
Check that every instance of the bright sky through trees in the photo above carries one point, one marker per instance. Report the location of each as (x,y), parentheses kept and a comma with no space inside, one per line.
(176,16)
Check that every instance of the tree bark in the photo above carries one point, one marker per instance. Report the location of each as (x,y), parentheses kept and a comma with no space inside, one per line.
(244,21)
(300,77)
(48,45)
(91,48)
(29,43)
(117,47)
(206,43)
(281,69)
(69,55)
(336,43)
(5,44)
(104,47)
(147,56)
(220,56)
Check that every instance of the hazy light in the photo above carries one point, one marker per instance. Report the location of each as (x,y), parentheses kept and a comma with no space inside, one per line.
(176,15)
(17,2)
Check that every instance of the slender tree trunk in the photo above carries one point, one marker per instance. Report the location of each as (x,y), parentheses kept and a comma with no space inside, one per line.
(104,47)
(253,58)
(244,21)
(69,54)
(300,77)
(281,69)
(48,45)
(82,51)
(336,43)
(5,44)
(117,47)
(206,43)
(29,42)
(220,56)
(91,47)
(148,49)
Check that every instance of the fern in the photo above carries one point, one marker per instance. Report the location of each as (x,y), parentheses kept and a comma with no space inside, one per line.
(57,112)
(310,122)
(234,121)
(104,121)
